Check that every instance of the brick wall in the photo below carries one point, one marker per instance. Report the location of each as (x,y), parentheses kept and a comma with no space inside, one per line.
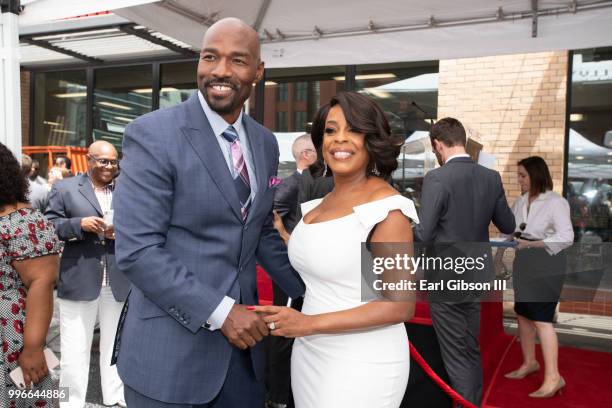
(514,105)
(25,108)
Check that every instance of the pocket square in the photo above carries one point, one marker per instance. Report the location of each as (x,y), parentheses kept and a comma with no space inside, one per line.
(274,182)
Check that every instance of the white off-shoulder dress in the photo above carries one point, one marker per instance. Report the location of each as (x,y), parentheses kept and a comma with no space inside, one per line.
(367,368)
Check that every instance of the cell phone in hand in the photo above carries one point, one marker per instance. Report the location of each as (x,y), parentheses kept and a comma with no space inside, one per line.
(17,374)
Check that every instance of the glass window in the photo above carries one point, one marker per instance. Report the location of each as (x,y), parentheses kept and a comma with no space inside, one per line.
(589,179)
(408,94)
(178,82)
(306,89)
(300,121)
(282,92)
(121,94)
(281,121)
(60,108)
(301,91)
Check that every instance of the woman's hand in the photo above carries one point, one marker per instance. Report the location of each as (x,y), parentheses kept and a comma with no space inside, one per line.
(285,321)
(280,227)
(524,244)
(33,364)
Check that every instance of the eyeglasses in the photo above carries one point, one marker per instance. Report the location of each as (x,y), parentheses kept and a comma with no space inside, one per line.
(105,162)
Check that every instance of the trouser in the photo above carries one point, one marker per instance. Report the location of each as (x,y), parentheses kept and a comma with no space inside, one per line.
(278,360)
(240,390)
(77,323)
(457,327)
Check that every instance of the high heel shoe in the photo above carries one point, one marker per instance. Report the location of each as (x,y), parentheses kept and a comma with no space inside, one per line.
(558,388)
(520,374)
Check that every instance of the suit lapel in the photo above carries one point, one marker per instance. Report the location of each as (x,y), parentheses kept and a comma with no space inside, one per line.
(256,143)
(86,189)
(202,139)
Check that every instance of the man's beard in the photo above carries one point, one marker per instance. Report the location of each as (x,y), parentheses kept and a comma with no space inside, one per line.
(221,106)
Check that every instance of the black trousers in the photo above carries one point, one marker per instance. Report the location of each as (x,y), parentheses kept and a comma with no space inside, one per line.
(278,357)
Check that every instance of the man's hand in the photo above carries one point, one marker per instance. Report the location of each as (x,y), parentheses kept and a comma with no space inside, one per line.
(243,328)
(93,224)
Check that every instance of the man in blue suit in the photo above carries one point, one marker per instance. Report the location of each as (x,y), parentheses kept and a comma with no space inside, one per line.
(193,211)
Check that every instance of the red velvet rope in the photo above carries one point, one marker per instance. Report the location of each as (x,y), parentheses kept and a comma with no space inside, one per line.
(457,399)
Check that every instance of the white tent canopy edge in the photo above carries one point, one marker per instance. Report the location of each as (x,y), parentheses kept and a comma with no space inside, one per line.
(10,106)
(317,33)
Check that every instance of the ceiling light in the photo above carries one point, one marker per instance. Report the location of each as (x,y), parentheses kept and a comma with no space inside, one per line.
(576,117)
(70,132)
(379,94)
(150,90)
(368,76)
(270,83)
(71,95)
(579,157)
(114,105)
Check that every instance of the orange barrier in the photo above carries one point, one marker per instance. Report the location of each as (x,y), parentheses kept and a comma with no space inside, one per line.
(77,155)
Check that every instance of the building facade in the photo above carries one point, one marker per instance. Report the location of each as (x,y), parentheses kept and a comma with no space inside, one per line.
(557,105)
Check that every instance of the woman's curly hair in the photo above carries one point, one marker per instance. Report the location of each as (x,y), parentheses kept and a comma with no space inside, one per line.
(364,116)
(13,184)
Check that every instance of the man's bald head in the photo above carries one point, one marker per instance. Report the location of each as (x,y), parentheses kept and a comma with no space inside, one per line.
(235,26)
(101,147)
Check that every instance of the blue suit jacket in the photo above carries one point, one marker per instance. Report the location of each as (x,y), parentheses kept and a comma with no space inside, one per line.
(182,243)
(81,267)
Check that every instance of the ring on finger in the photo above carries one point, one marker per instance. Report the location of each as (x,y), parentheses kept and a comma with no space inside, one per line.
(272,325)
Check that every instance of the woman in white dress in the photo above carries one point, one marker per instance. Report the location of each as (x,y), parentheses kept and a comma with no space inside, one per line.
(348,352)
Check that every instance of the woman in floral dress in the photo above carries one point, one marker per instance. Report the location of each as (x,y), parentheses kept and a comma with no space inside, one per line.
(29,264)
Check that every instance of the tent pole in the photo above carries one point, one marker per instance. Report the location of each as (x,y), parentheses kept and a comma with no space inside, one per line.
(10,88)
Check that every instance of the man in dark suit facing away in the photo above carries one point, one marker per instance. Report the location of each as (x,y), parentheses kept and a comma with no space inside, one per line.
(460,199)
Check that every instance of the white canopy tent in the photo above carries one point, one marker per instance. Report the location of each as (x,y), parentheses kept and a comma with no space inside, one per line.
(322,32)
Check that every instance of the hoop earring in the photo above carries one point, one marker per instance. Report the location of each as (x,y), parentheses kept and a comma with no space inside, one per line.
(325,170)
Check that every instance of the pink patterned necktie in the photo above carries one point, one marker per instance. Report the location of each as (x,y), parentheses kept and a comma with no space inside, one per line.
(242,182)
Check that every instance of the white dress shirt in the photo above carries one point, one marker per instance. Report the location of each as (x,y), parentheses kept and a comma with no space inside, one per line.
(219,125)
(455,156)
(104,195)
(547,219)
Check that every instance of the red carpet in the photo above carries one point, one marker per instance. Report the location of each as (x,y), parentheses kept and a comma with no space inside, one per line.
(264,287)
(587,374)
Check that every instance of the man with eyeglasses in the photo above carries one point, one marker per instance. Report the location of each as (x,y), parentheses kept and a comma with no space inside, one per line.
(90,286)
